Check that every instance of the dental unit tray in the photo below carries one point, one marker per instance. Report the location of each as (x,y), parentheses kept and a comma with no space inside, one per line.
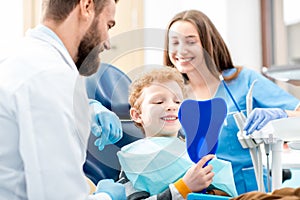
(285,129)
(274,133)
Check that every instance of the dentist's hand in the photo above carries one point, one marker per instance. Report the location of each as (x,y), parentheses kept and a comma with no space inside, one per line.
(105,124)
(115,190)
(259,117)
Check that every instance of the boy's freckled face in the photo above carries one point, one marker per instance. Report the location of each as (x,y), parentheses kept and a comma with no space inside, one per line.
(159,109)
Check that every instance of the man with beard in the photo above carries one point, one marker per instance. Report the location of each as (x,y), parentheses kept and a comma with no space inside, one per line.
(44,118)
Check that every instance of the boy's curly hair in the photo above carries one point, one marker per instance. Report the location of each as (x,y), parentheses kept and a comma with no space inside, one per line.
(160,75)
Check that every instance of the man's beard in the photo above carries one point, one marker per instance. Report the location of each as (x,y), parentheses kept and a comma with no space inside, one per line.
(88,52)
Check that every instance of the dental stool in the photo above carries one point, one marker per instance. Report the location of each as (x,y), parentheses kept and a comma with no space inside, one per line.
(110,87)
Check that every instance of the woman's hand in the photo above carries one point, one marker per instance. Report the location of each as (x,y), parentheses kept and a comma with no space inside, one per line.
(259,117)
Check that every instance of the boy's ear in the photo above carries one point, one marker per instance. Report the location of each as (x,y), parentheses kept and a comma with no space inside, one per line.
(135,115)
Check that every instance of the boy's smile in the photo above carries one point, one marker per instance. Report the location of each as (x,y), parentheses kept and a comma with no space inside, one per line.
(159,109)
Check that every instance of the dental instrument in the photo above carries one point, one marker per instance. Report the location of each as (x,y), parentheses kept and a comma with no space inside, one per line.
(247,142)
(256,153)
(228,91)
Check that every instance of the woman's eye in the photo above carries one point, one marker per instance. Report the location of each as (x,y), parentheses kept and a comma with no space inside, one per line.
(191,42)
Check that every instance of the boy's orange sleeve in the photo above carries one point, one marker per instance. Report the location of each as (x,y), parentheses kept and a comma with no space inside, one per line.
(182,188)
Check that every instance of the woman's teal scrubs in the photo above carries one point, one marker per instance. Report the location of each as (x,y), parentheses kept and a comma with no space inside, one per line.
(266,94)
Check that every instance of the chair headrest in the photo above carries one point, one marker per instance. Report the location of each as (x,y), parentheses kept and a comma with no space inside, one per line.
(110,87)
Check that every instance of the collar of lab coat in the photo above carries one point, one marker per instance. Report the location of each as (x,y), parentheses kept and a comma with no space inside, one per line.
(44,33)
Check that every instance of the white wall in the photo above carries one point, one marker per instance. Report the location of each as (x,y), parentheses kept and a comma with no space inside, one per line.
(291,11)
(237,21)
(292,22)
(293,31)
(11,14)
(244,32)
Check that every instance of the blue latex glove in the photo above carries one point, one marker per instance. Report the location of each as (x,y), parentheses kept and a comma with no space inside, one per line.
(105,124)
(259,117)
(115,190)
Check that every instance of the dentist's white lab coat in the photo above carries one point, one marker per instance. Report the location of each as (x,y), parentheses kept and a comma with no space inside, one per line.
(44,122)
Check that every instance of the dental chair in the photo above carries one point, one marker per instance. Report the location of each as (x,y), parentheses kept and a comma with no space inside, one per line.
(109,86)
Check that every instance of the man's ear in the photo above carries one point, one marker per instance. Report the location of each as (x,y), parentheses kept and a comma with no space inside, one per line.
(135,115)
(87,8)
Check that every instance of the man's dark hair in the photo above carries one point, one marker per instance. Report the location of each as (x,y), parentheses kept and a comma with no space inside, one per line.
(58,10)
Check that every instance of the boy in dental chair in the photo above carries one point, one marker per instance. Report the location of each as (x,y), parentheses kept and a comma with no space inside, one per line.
(158,166)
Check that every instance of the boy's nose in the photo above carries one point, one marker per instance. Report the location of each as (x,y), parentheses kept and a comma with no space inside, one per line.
(172,107)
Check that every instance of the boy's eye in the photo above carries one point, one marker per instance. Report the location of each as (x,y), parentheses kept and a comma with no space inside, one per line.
(174,42)
(177,101)
(156,101)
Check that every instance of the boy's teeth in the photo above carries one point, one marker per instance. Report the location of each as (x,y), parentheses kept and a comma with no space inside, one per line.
(169,118)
